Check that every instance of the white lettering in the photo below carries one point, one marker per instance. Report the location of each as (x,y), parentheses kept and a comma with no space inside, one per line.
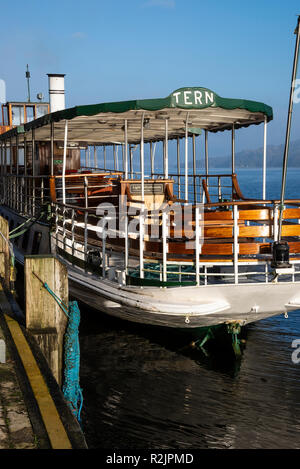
(197,97)
(117,459)
(176,96)
(186,97)
(209,97)
(296,96)
(295,354)
(2,91)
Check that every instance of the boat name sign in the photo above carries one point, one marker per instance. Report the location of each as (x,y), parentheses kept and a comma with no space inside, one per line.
(193,97)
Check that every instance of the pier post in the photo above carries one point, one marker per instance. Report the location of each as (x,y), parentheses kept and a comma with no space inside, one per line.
(44,317)
(4,251)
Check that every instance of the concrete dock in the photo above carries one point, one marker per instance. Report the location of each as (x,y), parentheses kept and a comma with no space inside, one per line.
(33,411)
(16,431)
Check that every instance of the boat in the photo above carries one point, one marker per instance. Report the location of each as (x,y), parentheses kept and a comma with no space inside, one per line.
(179,248)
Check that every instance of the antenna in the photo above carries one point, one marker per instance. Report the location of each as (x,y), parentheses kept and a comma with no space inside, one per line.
(27,74)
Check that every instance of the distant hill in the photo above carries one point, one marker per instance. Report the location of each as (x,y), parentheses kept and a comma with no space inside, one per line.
(253,158)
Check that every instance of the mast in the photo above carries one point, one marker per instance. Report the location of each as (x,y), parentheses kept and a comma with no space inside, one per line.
(27,74)
(288,129)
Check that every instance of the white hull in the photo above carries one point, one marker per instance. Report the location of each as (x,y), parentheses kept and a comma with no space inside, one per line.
(185,307)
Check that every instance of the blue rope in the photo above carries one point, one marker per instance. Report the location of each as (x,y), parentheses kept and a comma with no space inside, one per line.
(71,388)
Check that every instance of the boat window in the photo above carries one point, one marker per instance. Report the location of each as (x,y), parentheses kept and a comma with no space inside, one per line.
(21,156)
(25,239)
(17,113)
(36,242)
(29,113)
(5,115)
(41,110)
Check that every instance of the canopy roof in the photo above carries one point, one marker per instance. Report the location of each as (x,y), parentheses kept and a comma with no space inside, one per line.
(98,124)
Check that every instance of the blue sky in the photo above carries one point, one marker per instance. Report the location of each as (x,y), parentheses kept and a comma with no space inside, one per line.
(119,50)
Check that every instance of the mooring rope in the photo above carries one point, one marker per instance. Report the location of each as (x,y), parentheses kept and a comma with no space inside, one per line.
(71,388)
(15,232)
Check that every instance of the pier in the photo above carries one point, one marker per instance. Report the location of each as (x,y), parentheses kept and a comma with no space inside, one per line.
(34,413)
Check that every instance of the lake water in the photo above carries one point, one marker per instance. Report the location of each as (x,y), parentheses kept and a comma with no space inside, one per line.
(144,390)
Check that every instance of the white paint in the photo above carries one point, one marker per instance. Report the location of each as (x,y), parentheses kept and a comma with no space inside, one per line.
(186,97)
(209,97)
(176,96)
(197,97)
(2,351)
(194,97)
(56,92)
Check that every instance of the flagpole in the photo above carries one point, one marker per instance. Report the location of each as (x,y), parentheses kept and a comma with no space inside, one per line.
(288,129)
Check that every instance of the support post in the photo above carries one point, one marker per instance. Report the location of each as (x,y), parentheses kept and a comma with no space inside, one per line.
(126,147)
(64,163)
(264,160)
(178,167)
(52,148)
(186,159)
(206,155)
(236,244)
(4,251)
(166,154)
(194,168)
(44,317)
(233,149)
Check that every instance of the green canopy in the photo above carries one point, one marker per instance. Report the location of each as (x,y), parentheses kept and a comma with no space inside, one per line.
(104,123)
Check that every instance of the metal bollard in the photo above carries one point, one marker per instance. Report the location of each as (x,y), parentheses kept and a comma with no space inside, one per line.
(2,351)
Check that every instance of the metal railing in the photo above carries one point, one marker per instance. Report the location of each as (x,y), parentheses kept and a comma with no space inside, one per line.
(122,252)
(25,194)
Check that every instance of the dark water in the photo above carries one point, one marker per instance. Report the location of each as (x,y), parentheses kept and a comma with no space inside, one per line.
(143,390)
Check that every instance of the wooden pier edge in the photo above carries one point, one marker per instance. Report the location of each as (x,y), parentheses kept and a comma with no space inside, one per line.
(45,319)
(52,421)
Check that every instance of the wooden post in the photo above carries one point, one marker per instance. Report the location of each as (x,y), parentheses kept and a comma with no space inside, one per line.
(4,251)
(44,317)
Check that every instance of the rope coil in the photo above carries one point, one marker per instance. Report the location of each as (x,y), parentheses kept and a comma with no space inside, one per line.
(71,388)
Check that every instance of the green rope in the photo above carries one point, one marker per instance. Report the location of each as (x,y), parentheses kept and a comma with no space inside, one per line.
(71,388)
(31,222)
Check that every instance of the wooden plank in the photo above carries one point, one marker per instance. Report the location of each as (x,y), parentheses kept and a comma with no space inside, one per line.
(291,213)
(263,214)
(43,314)
(4,249)
(290,230)
(51,418)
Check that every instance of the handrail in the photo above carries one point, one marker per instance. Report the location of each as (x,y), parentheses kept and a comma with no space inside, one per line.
(76,175)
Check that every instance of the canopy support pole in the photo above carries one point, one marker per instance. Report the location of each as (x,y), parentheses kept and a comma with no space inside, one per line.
(95,156)
(52,148)
(151,160)
(33,152)
(17,155)
(11,155)
(288,129)
(142,214)
(126,148)
(232,154)
(206,155)
(64,163)
(186,158)
(166,152)
(233,149)
(178,166)
(25,155)
(142,158)
(265,160)
(194,168)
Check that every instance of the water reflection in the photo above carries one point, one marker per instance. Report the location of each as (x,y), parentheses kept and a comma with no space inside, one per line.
(143,390)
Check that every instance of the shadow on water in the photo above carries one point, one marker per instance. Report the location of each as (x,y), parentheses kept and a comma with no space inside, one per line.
(144,388)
